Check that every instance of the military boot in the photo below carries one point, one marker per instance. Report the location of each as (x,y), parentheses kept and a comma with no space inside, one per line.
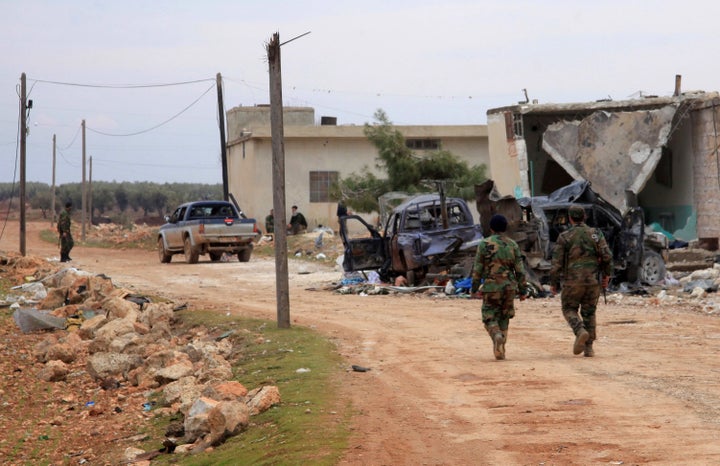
(591,326)
(505,336)
(589,352)
(581,337)
(498,341)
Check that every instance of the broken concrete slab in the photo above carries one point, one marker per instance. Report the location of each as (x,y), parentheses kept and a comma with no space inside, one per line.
(618,151)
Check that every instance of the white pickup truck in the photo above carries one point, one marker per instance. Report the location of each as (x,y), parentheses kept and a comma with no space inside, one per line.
(206,227)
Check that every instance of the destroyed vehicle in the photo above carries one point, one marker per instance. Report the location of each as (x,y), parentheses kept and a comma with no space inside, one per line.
(536,222)
(425,235)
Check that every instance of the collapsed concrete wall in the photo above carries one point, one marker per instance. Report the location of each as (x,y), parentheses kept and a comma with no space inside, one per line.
(617,151)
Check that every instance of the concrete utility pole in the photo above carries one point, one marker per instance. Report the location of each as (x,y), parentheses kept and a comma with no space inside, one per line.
(23,150)
(278,182)
(223,144)
(52,190)
(84,192)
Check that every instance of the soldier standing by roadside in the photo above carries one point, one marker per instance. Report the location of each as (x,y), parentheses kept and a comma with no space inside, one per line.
(499,267)
(63,228)
(580,257)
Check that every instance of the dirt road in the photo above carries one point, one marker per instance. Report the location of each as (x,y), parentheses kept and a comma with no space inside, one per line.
(435,394)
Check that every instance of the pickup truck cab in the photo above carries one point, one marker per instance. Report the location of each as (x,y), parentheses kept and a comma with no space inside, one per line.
(206,227)
(425,235)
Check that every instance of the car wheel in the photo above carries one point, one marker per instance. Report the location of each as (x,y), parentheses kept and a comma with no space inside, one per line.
(191,254)
(652,269)
(244,255)
(164,256)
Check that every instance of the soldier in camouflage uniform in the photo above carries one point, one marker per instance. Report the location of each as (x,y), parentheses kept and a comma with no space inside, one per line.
(499,268)
(63,228)
(580,257)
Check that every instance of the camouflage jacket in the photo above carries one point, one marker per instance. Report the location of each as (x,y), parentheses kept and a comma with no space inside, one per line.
(580,254)
(498,265)
(63,224)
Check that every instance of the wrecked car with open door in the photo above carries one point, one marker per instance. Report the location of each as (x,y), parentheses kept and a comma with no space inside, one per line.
(425,235)
(536,222)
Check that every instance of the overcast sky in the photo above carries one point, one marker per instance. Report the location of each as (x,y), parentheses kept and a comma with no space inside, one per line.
(423,62)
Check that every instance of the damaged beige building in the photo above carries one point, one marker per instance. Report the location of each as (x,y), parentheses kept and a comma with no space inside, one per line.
(660,153)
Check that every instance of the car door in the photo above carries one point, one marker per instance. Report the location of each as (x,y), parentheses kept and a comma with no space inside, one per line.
(173,235)
(363,245)
(629,242)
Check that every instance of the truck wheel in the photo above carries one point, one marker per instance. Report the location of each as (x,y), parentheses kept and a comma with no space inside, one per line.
(244,255)
(652,268)
(165,257)
(191,254)
(215,256)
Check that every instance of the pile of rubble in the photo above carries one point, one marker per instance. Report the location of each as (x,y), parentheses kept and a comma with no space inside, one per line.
(125,341)
(118,234)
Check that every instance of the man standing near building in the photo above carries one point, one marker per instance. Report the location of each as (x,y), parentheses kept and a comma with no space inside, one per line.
(270,223)
(63,228)
(582,262)
(297,224)
(498,274)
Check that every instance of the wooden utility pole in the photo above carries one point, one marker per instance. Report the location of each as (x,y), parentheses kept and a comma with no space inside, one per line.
(90,206)
(52,190)
(84,192)
(223,148)
(278,182)
(23,149)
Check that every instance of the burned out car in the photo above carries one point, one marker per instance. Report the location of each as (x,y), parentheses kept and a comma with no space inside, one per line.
(425,235)
(536,222)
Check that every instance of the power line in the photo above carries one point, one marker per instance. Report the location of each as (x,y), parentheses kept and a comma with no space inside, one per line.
(73,139)
(62,156)
(121,86)
(158,125)
(12,190)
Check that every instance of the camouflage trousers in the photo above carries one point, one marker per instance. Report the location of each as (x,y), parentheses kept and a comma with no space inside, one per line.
(498,308)
(582,297)
(66,244)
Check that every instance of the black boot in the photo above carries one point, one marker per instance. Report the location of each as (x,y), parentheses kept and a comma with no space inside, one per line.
(63,257)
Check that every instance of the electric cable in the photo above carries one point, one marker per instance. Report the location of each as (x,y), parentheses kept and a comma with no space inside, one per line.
(121,86)
(73,139)
(158,125)
(12,190)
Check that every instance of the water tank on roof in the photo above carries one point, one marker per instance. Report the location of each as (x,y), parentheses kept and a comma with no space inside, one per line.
(328,121)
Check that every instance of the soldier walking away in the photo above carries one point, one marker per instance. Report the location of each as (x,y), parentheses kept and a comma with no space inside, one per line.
(582,264)
(498,275)
(63,228)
